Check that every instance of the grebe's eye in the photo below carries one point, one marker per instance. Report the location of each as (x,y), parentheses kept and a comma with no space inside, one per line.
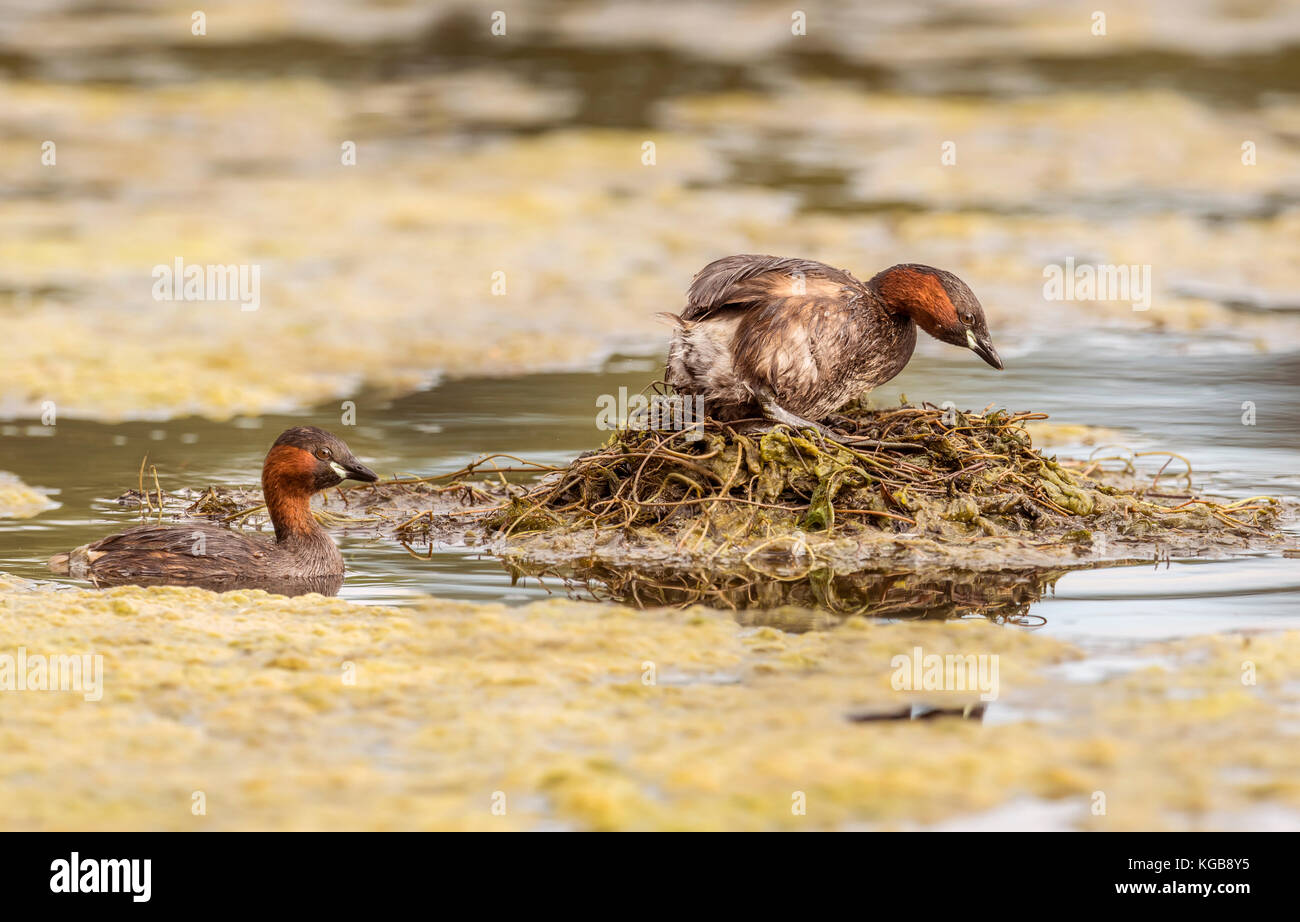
(968,319)
(323,454)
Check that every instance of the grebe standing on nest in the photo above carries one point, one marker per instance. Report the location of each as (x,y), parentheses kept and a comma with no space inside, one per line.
(794,339)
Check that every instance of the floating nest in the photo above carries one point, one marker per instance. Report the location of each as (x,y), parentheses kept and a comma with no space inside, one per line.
(912,481)
(723,513)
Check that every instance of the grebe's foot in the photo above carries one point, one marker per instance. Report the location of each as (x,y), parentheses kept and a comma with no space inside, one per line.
(779,414)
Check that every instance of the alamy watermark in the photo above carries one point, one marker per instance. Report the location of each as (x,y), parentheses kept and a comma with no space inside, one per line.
(25,671)
(240,282)
(75,874)
(665,412)
(1103,282)
(921,671)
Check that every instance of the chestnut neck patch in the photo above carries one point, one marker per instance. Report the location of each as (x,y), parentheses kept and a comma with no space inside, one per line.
(918,294)
(288,481)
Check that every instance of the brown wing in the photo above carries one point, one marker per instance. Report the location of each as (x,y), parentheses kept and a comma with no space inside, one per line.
(747,281)
(201,550)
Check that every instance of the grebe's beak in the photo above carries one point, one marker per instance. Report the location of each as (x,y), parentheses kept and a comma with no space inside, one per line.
(983,347)
(352,469)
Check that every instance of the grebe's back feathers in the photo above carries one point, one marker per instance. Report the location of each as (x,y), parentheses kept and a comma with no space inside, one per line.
(162,551)
(747,281)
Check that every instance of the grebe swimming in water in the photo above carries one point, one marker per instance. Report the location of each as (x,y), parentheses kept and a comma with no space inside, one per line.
(794,339)
(303,461)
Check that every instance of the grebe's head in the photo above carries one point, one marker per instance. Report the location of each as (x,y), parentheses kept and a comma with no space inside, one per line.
(941,304)
(306,459)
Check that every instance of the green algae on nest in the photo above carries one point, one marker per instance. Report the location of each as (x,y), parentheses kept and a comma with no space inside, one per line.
(943,485)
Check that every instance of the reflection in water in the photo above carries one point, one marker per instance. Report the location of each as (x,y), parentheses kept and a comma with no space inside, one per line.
(324,585)
(815,601)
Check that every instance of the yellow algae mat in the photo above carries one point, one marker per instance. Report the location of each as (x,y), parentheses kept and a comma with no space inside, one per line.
(19,501)
(340,303)
(249,711)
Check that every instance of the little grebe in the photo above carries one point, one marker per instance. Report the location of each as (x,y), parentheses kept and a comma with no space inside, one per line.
(304,460)
(794,339)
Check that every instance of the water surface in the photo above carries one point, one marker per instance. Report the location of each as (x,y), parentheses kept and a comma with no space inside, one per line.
(1093,379)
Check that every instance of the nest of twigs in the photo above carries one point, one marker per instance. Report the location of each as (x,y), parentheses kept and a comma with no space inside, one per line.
(907,472)
(902,486)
